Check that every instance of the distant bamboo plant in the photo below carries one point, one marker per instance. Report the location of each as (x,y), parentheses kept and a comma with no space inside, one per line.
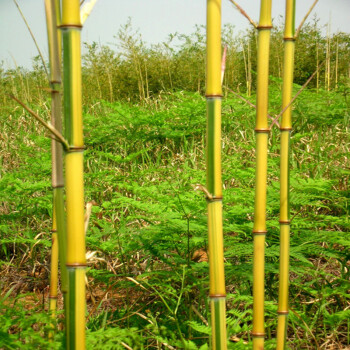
(285,127)
(214,185)
(262,132)
(59,241)
(76,261)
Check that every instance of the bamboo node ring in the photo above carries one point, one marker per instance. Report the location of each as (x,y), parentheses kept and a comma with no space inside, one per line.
(258,334)
(58,186)
(75,149)
(284,222)
(214,96)
(76,264)
(264,27)
(52,297)
(67,26)
(286,128)
(262,130)
(282,312)
(257,232)
(289,38)
(213,199)
(53,230)
(217,295)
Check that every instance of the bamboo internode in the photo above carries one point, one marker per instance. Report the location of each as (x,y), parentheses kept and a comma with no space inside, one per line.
(214,183)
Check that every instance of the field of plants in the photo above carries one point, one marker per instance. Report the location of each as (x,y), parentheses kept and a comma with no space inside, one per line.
(147,275)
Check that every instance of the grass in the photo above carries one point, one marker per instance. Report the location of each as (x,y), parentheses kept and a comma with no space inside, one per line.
(146,286)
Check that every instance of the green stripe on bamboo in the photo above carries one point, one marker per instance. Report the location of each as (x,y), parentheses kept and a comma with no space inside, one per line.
(286,127)
(76,262)
(262,130)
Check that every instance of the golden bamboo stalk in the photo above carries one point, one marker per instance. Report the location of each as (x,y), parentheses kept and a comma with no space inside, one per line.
(59,240)
(286,127)
(214,185)
(262,131)
(76,260)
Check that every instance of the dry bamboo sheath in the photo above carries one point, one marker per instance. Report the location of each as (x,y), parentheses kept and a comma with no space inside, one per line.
(262,131)
(214,185)
(286,127)
(71,27)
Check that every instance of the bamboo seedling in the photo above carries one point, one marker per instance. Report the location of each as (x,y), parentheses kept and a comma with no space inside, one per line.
(76,260)
(214,185)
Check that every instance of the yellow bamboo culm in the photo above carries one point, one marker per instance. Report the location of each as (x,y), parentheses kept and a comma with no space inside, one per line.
(285,128)
(262,131)
(76,260)
(58,226)
(214,184)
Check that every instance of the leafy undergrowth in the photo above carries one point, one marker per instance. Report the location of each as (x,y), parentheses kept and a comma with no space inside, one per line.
(147,275)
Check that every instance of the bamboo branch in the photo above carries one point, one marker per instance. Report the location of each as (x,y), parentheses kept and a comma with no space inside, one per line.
(304,19)
(239,8)
(48,126)
(297,94)
(86,9)
(248,102)
(33,37)
(223,64)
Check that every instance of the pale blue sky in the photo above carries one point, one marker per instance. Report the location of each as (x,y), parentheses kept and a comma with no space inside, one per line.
(155,19)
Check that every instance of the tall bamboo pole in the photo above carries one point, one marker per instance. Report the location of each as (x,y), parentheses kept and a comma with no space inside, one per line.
(214,185)
(285,128)
(59,240)
(262,131)
(76,261)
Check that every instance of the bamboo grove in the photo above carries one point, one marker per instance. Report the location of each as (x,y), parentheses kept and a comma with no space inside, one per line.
(64,20)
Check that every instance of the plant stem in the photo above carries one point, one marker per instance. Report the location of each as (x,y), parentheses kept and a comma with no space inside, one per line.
(262,131)
(76,260)
(214,185)
(286,127)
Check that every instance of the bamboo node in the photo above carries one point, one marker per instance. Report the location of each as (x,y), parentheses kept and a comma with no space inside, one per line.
(214,96)
(282,128)
(259,232)
(58,186)
(75,149)
(53,230)
(67,26)
(258,335)
(58,82)
(289,38)
(76,264)
(53,297)
(284,222)
(262,130)
(213,199)
(217,295)
(282,312)
(260,27)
